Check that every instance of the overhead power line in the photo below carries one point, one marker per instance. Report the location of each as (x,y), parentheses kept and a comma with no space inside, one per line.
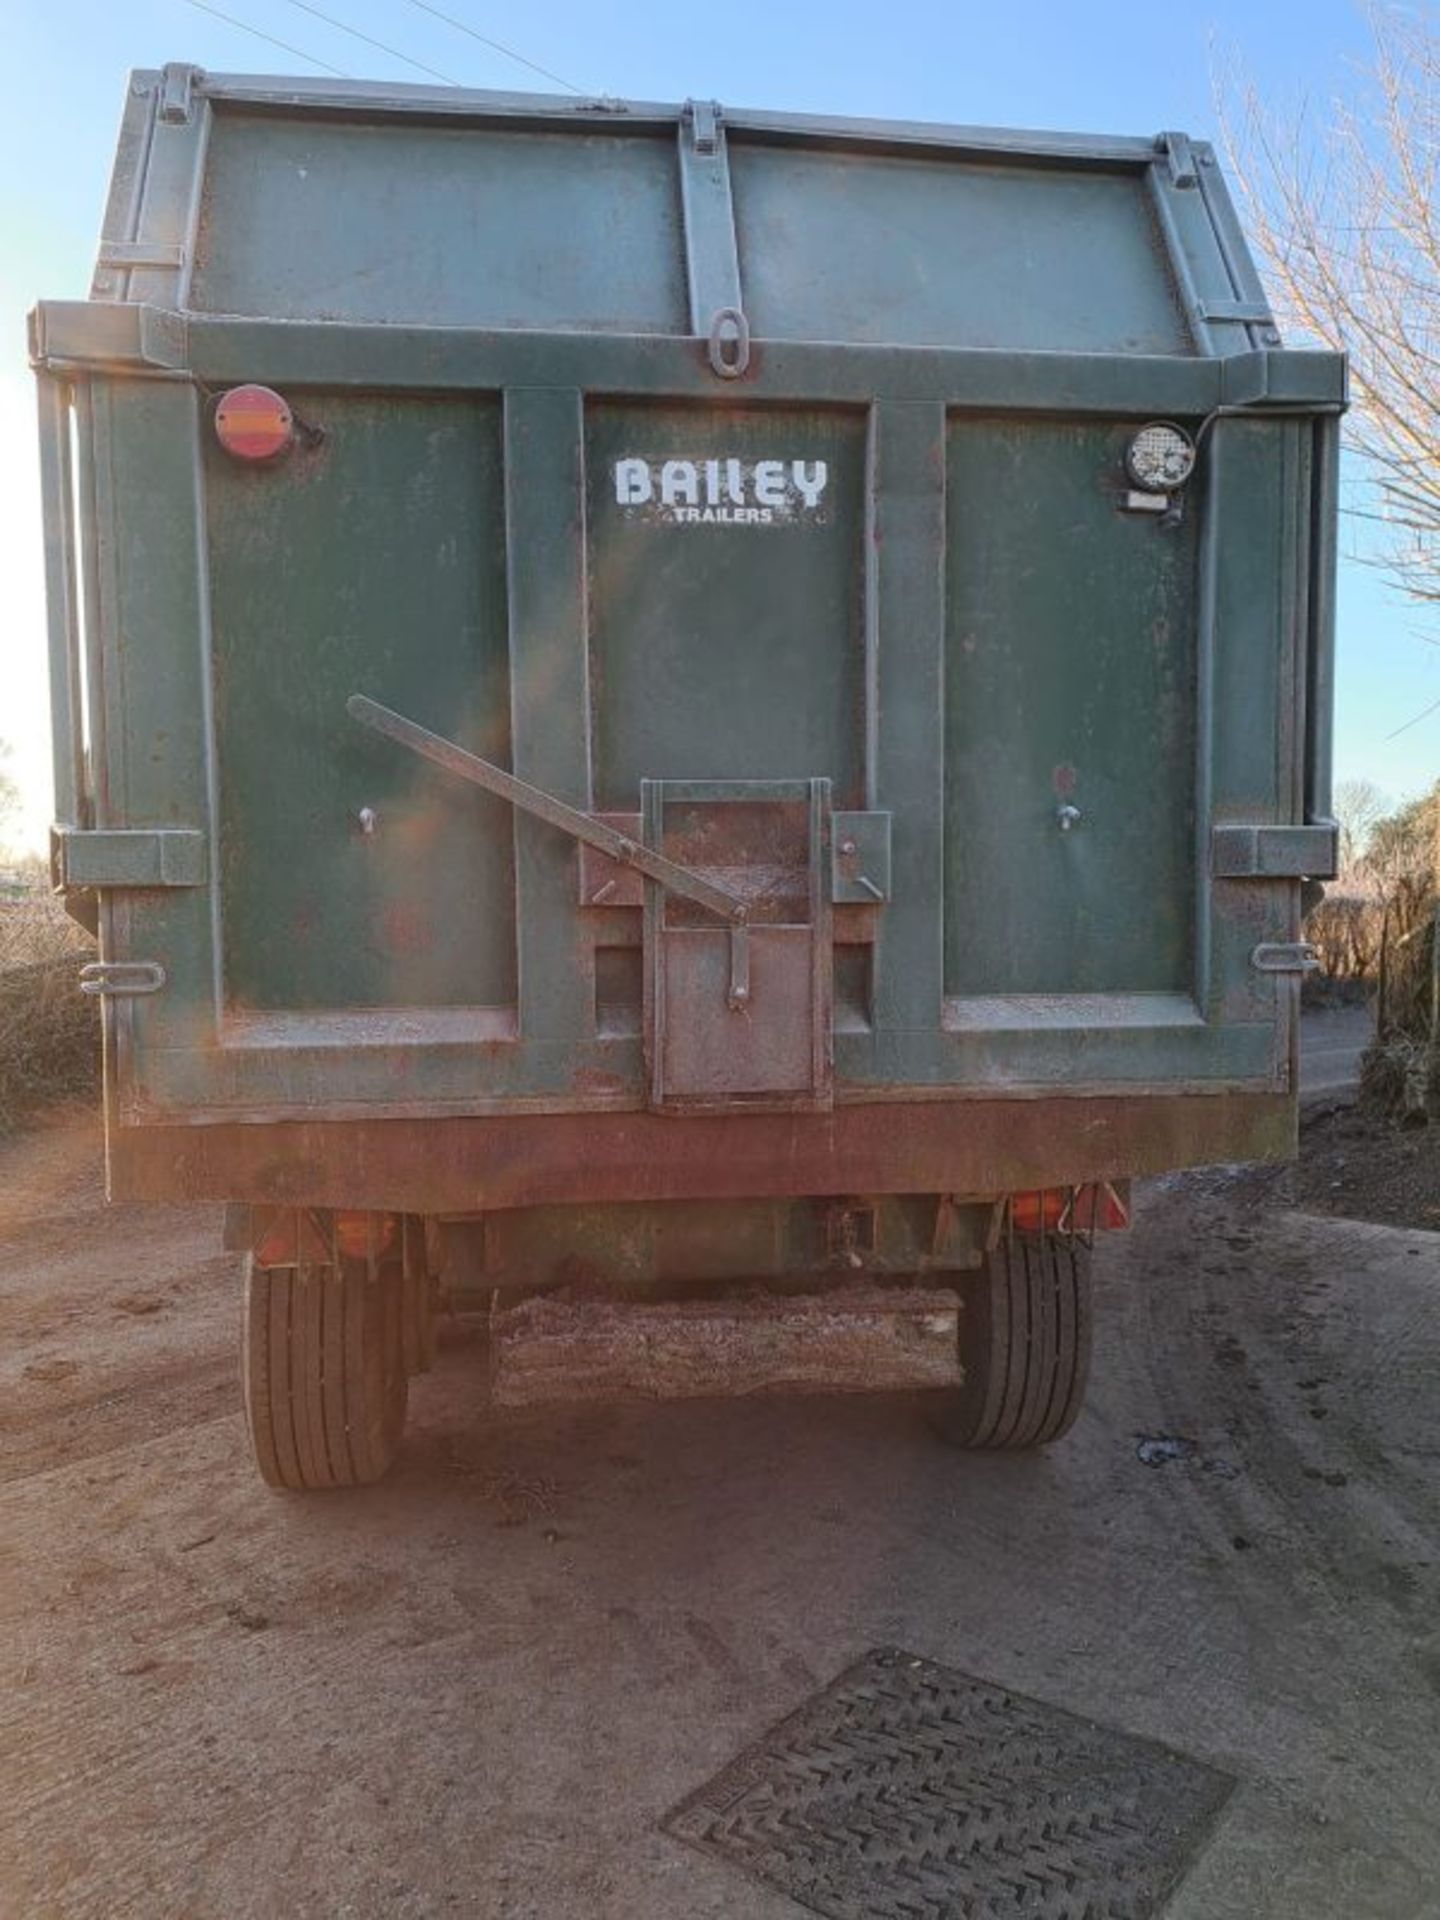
(496,46)
(371,41)
(257,33)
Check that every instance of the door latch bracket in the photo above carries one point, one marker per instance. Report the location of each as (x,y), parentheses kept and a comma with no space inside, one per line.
(1284,956)
(113,978)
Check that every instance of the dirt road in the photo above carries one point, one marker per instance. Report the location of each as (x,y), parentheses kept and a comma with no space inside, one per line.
(475,1689)
(1332,1040)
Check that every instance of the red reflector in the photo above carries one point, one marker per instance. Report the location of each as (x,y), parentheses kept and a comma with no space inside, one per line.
(253,423)
(1096,1209)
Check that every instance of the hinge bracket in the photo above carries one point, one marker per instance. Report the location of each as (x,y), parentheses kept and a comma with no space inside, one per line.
(1253,313)
(1179,158)
(704,119)
(177,87)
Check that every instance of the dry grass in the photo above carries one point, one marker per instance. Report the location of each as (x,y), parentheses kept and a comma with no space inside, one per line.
(49,1030)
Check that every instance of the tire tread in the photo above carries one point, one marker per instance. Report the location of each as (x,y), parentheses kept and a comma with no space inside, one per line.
(322,1372)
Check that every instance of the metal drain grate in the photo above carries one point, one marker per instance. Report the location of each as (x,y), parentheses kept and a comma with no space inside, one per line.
(906,1791)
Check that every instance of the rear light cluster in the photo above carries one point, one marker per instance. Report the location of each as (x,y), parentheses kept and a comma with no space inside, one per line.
(296,1236)
(254,423)
(1090,1209)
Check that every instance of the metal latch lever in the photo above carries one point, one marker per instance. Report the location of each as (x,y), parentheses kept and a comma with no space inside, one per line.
(558,813)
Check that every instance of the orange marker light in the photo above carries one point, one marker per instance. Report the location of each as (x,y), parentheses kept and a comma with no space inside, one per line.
(254,423)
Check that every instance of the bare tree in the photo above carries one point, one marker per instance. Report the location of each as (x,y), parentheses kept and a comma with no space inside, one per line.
(1347,218)
(1358,806)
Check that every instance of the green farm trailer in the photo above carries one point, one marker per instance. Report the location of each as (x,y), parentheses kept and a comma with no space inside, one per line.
(699,730)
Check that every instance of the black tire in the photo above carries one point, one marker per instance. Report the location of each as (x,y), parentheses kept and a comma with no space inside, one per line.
(1025,1338)
(323,1372)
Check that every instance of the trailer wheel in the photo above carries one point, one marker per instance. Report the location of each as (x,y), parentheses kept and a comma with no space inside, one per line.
(323,1371)
(1025,1336)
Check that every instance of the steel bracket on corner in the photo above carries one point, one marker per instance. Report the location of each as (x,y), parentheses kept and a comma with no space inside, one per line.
(127,857)
(119,336)
(1243,852)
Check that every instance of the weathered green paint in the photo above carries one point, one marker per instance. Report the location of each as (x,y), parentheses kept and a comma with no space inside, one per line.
(1069,682)
(904,680)
(866,251)
(483,304)
(544,534)
(372,561)
(716,661)
(514,228)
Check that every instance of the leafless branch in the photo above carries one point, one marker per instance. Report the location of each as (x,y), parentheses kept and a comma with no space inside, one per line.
(1347,220)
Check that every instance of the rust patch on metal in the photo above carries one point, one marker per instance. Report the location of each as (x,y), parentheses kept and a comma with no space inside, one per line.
(406,929)
(974,1147)
(596,1080)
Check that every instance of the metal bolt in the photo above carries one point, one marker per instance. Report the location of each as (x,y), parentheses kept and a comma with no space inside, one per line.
(1067,817)
(849,847)
(368,819)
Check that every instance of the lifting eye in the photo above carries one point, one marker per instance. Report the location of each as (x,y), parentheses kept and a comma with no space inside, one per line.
(254,423)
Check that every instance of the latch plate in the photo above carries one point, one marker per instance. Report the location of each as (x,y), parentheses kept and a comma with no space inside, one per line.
(860,859)
(859,864)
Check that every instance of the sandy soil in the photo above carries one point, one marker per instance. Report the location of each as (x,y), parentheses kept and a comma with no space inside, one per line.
(474,1689)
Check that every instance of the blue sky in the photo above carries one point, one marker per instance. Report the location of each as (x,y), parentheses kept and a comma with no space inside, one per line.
(1036,63)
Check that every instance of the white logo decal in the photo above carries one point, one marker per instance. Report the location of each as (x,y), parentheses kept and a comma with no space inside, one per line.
(725,493)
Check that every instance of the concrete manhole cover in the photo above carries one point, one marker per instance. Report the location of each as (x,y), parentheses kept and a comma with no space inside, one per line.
(906,1791)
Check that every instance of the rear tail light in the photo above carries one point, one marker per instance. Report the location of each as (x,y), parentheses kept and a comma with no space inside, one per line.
(253,423)
(1097,1208)
(1039,1212)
